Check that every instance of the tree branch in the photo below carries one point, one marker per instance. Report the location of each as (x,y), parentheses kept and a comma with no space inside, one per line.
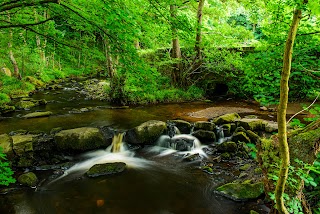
(25,25)
(306,34)
(17,4)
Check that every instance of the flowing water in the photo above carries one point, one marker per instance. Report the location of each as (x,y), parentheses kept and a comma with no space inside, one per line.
(156,180)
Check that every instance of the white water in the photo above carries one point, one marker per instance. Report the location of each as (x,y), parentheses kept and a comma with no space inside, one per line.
(167,146)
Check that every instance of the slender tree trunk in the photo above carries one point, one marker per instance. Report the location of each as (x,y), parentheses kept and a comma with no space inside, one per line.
(198,35)
(176,52)
(16,72)
(40,45)
(109,61)
(282,109)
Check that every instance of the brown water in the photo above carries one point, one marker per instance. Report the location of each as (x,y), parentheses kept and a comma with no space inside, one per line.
(169,186)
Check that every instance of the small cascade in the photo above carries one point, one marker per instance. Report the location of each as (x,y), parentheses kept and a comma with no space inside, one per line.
(172,130)
(117,144)
(116,152)
(220,135)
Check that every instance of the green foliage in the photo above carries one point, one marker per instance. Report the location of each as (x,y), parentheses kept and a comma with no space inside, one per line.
(5,170)
(315,112)
(4,98)
(253,150)
(296,123)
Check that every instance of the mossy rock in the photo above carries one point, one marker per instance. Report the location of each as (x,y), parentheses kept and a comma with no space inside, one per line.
(254,138)
(7,108)
(241,137)
(55,130)
(106,169)
(29,179)
(205,136)
(271,127)
(227,147)
(35,81)
(252,124)
(183,126)
(207,126)
(22,144)
(146,133)
(193,157)
(227,118)
(26,160)
(80,139)
(25,104)
(6,143)
(245,167)
(38,114)
(241,191)
(225,156)
(227,129)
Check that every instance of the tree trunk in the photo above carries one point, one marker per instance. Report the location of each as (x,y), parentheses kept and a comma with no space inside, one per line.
(282,109)
(109,63)
(199,25)
(137,44)
(16,72)
(176,52)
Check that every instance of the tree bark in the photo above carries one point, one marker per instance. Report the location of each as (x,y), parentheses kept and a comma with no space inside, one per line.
(282,109)
(176,52)
(109,61)
(16,72)
(198,34)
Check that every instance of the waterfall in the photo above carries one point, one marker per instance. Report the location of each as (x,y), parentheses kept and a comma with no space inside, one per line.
(220,134)
(117,144)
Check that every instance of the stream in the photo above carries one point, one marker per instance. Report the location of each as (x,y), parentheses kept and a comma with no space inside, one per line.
(155,181)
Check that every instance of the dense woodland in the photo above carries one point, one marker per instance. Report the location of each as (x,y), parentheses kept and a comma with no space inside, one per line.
(166,51)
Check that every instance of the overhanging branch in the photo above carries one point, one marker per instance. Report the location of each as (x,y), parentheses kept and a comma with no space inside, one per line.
(24,25)
(16,4)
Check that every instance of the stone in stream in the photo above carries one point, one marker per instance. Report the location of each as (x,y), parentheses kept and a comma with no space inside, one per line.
(207,126)
(183,126)
(228,146)
(252,124)
(146,133)
(205,136)
(6,143)
(37,114)
(241,137)
(29,179)
(227,118)
(241,191)
(80,139)
(106,169)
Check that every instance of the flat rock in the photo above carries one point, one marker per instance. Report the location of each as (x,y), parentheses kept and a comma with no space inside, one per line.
(106,169)
(38,114)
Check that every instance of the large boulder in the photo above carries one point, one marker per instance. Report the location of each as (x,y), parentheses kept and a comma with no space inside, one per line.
(205,136)
(6,143)
(38,114)
(227,118)
(207,126)
(183,126)
(26,103)
(253,124)
(22,144)
(80,139)
(35,81)
(146,133)
(228,146)
(106,169)
(241,137)
(29,179)
(241,191)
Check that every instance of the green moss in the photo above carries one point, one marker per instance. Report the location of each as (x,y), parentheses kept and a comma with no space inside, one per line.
(245,167)
(241,137)
(227,118)
(80,139)
(205,136)
(252,124)
(227,147)
(106,169)
(38,114)
(242,191)
(29,179)
(207,126)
